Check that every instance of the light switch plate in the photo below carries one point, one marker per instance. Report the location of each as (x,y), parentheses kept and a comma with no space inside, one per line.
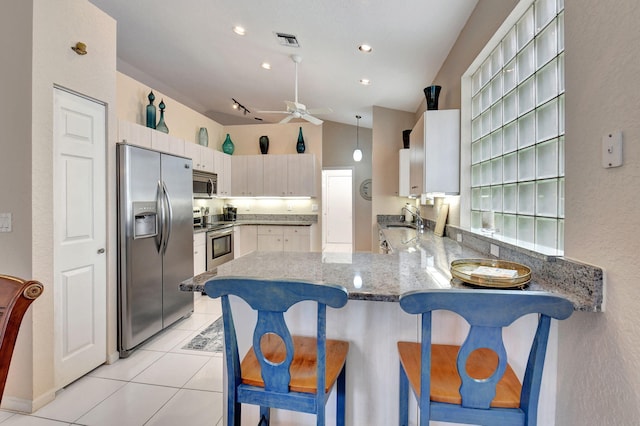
(612,150)
(495,250)
(5,222)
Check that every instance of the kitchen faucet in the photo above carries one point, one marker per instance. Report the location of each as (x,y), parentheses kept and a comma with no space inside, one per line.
(417,217)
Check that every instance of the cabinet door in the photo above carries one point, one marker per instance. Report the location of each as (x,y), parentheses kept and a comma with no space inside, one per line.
(275,175)
(176,146)
(270,243)
(416,148)
(404,169)
(199,253)
(301,179)
(248,239)
(225,186)
(239,176)
(255,175)
(297,238)
(134,134)
(160,141)
(442,151)
(191,150)
(206,158)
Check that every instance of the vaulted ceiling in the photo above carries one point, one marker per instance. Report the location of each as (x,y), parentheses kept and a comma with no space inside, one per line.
(188,51)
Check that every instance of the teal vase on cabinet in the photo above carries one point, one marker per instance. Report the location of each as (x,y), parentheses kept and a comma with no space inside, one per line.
(300,145)
(162,126)
(227,145)
(151,111)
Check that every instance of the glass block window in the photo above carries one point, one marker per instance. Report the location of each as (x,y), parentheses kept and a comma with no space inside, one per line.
(517,132)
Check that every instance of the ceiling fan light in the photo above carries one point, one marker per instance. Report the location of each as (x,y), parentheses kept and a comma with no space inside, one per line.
(357,155)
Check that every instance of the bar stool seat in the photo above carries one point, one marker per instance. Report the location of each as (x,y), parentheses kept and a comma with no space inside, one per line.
(473,383)
(281,370)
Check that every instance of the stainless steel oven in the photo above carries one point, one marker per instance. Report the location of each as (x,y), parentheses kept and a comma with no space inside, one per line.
(219,246)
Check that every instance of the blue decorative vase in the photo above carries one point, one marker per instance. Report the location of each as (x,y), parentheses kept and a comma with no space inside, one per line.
(227,145)
(203,136)
(300,145)
(161,126)
(151,111)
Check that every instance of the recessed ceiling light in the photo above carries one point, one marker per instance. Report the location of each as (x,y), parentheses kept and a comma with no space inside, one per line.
(365,48)
(266,65)
(239,30)
(365,81)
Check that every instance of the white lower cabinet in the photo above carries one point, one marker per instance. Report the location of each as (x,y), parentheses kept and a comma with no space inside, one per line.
(199,253)
(245,240)
(284,238)
(297,238)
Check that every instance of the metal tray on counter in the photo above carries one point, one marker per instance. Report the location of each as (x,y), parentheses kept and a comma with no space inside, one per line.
(491,273)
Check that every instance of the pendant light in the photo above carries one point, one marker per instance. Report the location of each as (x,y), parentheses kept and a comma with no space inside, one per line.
(357,153)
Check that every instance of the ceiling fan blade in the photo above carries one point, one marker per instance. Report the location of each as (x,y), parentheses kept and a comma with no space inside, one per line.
(312,119)
(287,119)
(273,112)
(320,111)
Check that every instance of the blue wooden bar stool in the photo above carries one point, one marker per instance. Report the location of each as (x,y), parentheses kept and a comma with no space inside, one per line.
(280,370)
(473,383)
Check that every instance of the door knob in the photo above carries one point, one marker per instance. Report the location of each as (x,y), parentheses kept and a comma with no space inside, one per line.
(100,251)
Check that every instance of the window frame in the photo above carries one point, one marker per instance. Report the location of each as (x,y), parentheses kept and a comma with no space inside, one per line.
(485,170)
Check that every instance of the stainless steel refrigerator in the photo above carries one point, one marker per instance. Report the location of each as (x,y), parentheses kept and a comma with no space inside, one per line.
(155,242)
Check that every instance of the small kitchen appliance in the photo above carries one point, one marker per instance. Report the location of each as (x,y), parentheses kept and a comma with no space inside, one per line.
(230,212)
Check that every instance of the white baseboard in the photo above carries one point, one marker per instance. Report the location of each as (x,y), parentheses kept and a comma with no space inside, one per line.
(25,405)
(113,357)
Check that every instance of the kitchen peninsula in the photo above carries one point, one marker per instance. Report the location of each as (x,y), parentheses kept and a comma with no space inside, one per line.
(372,325)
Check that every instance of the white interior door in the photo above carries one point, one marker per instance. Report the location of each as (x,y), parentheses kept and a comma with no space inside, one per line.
(79,219)
(338,210)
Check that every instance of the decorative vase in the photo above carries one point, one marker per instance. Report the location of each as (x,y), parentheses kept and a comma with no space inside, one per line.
(264,144)
(432,93)
(203,136)
(161,126)
(300,145)
(151,111)
(405,138)
(227,145)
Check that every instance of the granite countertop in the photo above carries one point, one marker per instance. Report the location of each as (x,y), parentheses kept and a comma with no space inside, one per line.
(419,264)
(267,220)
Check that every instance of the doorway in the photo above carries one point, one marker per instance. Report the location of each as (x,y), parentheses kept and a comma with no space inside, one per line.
(337,210)
(79,215)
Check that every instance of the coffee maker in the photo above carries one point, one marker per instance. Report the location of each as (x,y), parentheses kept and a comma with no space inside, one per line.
(230,212)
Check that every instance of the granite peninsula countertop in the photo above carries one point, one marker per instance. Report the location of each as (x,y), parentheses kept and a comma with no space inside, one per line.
(419,264)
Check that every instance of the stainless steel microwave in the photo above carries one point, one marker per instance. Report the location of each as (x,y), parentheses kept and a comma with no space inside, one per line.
(205,185)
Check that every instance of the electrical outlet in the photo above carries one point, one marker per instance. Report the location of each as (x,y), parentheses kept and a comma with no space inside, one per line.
(314,207)
(459,237)
(495,250)
(289,206)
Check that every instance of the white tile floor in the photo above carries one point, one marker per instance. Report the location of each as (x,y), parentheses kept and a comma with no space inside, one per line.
(158,384)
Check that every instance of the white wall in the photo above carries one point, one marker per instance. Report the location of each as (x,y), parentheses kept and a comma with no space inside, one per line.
(54,27)
(598,372)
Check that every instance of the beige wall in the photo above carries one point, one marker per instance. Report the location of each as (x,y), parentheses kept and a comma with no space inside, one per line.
(339,141)
(55,27)
(182,121)
(598,375)
(388,125)
(599,378)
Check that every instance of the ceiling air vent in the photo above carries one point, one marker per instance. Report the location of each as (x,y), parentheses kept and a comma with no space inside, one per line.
(287,40)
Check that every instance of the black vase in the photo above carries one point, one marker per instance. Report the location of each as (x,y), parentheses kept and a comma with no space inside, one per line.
(405,138)
(264,144)
(300,144)
(432,93)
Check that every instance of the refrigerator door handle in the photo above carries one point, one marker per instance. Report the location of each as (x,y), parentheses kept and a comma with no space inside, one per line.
(168,219)
(159,217)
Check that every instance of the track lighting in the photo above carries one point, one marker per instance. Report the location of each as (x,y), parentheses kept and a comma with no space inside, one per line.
(238,105)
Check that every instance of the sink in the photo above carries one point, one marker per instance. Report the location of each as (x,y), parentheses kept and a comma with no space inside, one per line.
(397,225)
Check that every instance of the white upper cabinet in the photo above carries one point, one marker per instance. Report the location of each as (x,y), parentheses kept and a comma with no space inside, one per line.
(202,157)
(222,167)
(435,153)
(275,175)
(247,175)
(134,134)
(301,178)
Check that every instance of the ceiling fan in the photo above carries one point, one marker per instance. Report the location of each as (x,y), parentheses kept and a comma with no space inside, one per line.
(297,110)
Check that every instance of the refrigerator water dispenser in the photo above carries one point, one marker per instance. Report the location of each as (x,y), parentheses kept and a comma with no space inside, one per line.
(145,220)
